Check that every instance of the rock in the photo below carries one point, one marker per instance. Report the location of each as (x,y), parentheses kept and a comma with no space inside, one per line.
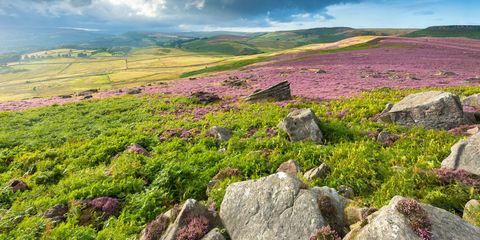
(320,71)
(302,125)
(87,97)
(135,148)
(317,173)
(222,175)
(279,92)
(465,155)
(57,213)
(472,101)
(433,110)
(234,82)
(471,212)
(346,191)
(65,96)
(404,219)
(354,214)
(290,167)
(332,206)
(220,133)
(472,131)
(386,138)
(445,73)
(193,221)
(18,185)
(206,97)
(215,234)
(275,207)
(87,92)
(155,229)
(98,209)
(134,91)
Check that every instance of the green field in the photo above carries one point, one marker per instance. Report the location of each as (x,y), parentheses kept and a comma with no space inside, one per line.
(448,31)
(77,151)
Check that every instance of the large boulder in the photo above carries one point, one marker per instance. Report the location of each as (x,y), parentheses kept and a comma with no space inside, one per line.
(278,92)
(472,101)
(278,207)
(465,155)
(433,110)
(302,125)
(191,221)
(405,219)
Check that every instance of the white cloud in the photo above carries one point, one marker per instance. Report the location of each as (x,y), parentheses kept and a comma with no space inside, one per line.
(142,8)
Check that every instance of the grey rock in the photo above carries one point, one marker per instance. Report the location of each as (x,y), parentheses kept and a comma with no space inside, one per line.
(465,155)
(433,110)
(274,207)
(57,213)
(318,172)
(353,214)
(220,133)
(331,206)
(279,92)
(190,209)
(215,234)
(472,101)
(389,224)
(386,138)
(346,191)
(206,97)
(302,125)
(18,185)
(290,167)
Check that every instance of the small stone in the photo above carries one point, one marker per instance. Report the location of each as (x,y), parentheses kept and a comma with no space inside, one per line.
(220,133)
(18,185)
(386,138)
(317,173)
(135,148)
(134,91)
(57,213)
(290,167)
(206,97)
(215,234)
(346,191)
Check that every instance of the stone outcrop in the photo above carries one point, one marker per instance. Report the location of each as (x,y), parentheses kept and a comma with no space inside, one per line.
(57,213)
(278,207)
(472,101)
(318,172)
(391,224)
(290,167)
(465,155)
(206,97)
(215,234)
(279,92)
(191,221)
(471,212)
(220,133)
(302,125)
(433,110)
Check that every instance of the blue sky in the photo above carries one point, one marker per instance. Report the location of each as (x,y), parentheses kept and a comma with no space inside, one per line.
(233,15)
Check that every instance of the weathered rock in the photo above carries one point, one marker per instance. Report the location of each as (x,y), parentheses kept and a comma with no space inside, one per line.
(222,175)
(318,172)
(193,220)
(302,125)
(206,97)
(279,92)
(331,206)
(18,185)
(389,224)
(354,214)
(57,213)
(273,207)
(290,167)
(98,209)
(234,82)
(215,234)
(220,133)
(386,138)
(472,101)
(346,191)
(471,212)
(445,73)
(87,92)
(465,155)
(134,91)
(135,148)
(434,110)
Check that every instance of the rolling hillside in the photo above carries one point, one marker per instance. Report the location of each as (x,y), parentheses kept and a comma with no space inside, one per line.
(468,31)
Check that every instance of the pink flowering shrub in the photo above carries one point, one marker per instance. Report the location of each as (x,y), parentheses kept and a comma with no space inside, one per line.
(196,228)
(325,233)
(450,176)
(417,217)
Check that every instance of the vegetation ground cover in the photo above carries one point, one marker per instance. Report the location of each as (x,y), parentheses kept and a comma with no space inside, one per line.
(77,151)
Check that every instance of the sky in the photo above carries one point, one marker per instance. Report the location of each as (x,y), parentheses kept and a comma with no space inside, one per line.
(233,15)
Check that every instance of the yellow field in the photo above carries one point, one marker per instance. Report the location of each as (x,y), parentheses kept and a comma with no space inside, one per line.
(53,77)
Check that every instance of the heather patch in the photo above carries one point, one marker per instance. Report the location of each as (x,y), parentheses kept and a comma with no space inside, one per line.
(417,217)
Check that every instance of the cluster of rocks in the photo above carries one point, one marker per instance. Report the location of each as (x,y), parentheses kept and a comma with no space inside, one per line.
(234,81)
(389,74)
(281,206)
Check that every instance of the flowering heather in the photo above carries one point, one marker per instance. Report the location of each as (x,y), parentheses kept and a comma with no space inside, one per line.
(156,228)
(450,176)
(135,148)
(325,233)
(226,173)
(180,133)
(196,228)
(108,205)
(417,217)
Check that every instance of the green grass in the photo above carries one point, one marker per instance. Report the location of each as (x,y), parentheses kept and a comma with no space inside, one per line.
(225,67)
(64,152)
(448,31)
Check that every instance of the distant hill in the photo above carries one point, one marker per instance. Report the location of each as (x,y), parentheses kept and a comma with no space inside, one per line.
(272,41)
(467,31)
